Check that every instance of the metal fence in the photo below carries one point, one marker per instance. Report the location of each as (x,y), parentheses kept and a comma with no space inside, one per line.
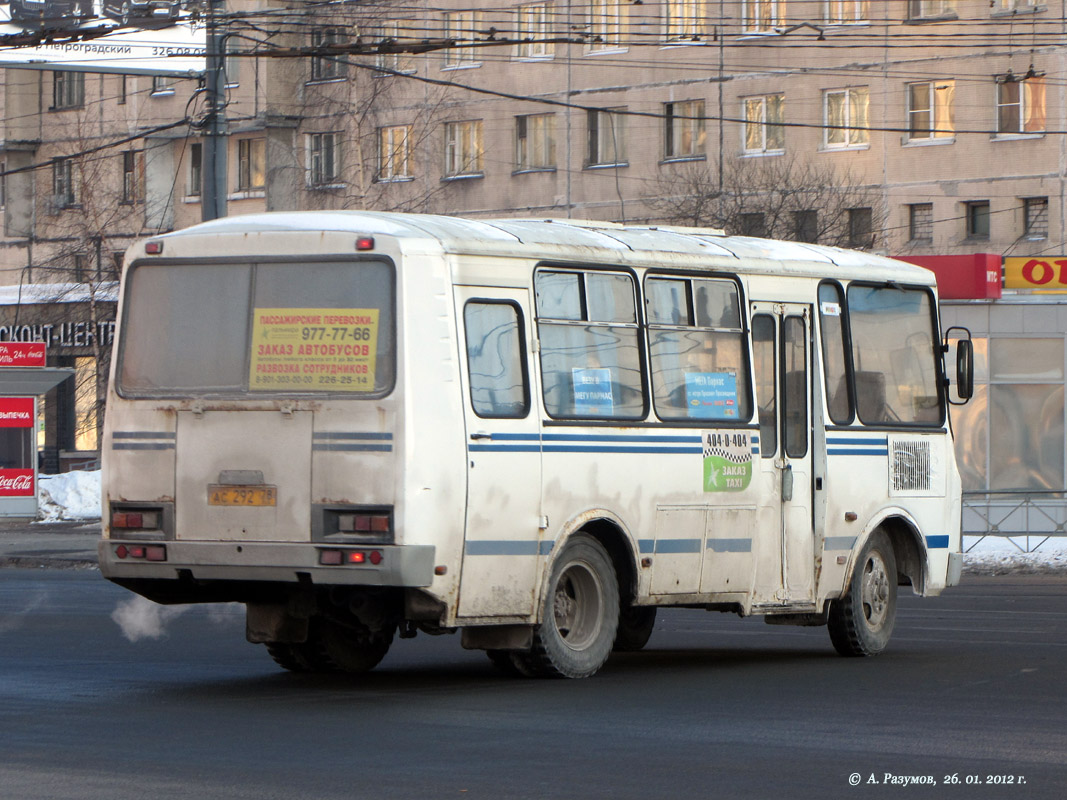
(1026,518)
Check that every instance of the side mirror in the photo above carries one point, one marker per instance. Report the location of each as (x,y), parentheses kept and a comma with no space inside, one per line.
(965,369)
(964,364)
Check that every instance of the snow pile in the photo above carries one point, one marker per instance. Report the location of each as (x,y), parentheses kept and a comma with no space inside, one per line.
(72,495)
(997,555)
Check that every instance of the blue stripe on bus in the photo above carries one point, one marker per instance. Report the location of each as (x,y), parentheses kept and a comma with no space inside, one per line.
(646,545)
(504,448)
(143,435)
(351,448)
(351,435)
(592,437)
(835,451)
(730,545)
(936,542)
(678,545)
(507,547)
(142,445)
(839,542)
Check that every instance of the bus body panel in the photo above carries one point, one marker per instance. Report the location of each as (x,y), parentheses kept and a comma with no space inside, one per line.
(480,504)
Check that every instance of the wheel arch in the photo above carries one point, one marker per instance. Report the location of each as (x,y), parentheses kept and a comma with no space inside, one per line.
(612,535)
(903,533)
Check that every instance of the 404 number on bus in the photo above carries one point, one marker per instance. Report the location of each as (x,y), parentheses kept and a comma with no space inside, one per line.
(727,460)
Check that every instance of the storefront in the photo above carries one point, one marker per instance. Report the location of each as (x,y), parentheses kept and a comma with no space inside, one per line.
(76,325)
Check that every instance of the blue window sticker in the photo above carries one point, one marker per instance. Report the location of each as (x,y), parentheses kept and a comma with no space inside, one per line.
(711,395)
(592,392)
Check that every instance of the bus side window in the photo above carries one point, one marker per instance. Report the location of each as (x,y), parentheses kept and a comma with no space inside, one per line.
(834,353)
(699,363)
(763,353)
(590,356)
(495,359)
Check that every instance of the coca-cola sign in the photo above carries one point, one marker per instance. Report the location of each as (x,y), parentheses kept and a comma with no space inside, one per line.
(16,412)
(16,483)
(22,354)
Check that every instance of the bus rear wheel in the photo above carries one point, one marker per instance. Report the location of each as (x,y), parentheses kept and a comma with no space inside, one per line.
(579,615)
(861,622)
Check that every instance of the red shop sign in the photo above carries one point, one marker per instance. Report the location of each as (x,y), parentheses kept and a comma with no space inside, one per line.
(16,483)
(16,412)
(22,354)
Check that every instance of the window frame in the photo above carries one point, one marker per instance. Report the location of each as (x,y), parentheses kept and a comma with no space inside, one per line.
(1024,104)
(973,218)
(388,149)
(935,129)
(323,68)
(760,16)
(763,125)
(835,12)
(1030,219)
(462,23)
(68,90)
(745,377)
(535,141)
(854,136)
(533,21)
(918,226)
(582,271)
(683,21)
(596,139)
(64,184)
(693,124)
(606,21)
(316,150)
(456,143)
(250,150)
(520,324)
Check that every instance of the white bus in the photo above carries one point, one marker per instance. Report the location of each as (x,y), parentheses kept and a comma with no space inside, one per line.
(535,433)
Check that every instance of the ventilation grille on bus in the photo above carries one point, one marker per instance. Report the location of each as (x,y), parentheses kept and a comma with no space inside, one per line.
(911,466)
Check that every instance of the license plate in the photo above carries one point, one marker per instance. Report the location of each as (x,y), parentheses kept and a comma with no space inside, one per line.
(242,495)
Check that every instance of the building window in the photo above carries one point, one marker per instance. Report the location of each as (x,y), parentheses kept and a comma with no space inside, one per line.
(129,177)
(534,29)
(121,99)
(685,20)
(860,228)
(806,226)
(161,85)
(3,183)
(463,149)
(930,110)
(753,224)
(251,164)
(978,220)
(461,27)
(63,191)
(68,90)
(231,62)
(394,153)
(196,170)
(1035,214)
(846,117)
(606,141)
(1013,5)
(843,12)
(535,142)
(684,129)
(1020,105)
(758,16)
(323,159)
(921,222)
(326,67)
(931,9)
(606,19)
(396,31)
(763,124)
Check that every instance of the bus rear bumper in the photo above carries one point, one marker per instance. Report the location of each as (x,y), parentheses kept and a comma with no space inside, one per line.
(266,562)
(955,569)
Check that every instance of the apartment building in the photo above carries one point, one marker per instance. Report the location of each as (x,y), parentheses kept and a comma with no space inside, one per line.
(906,126)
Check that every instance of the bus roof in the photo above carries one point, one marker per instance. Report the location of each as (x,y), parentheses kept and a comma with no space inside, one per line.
(586,240)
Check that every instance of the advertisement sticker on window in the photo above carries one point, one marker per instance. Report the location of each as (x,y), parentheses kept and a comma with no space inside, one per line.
(313,349)
(711,395)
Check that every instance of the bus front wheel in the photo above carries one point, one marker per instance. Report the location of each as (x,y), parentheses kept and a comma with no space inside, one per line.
(580,613)
(635,628)
(861,622)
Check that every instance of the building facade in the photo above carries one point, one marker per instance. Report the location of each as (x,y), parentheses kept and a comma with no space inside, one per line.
(910,127)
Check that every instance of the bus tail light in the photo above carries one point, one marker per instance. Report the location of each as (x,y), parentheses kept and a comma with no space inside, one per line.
(364,523)
(143,552)
(140,520)
(336,558)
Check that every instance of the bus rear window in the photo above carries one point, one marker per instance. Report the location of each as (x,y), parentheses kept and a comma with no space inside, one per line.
(266,327)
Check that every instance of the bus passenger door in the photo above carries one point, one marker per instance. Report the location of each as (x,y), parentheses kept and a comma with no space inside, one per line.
(781,346)
(503,463)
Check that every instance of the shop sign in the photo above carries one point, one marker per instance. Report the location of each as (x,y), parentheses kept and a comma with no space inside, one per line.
(1028,272)
(16,483)
(22,354)
(16,412)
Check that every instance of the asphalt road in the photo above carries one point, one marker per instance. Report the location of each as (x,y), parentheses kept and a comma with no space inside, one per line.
(973,687)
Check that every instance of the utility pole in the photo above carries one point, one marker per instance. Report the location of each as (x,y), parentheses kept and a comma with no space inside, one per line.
(213,192)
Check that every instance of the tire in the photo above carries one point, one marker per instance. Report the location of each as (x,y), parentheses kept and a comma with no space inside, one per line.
(579,614)
(635,628)
(861,622)
(340,648)
(288,656)
(501,659)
